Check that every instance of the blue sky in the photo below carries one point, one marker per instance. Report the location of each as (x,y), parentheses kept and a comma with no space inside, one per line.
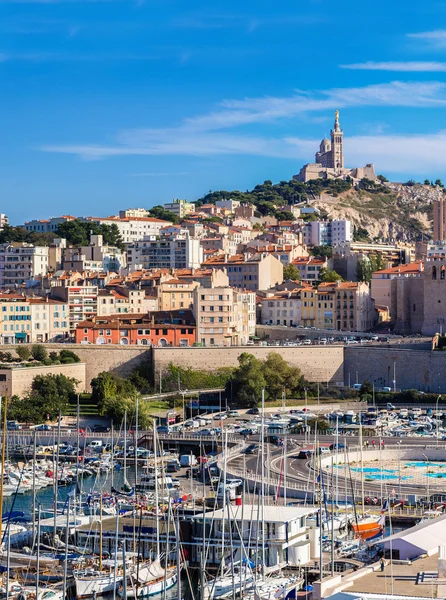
(115,103)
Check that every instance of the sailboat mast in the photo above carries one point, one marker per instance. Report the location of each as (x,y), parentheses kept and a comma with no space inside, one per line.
(125,446)
(362,463)
(34,483)
(100,531)
(155,450)
(38,552)
(5,409)
(56,481)
(263,481)
(65,566)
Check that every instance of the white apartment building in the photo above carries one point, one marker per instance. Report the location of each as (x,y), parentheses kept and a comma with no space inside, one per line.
(97,256)
(47,225)
(327,233)
(230,205)
(82,301)
(177,251)
(282,308)
(179,207)
(3,220)
(132,229)
(131,213)
(21,262)
(49,320)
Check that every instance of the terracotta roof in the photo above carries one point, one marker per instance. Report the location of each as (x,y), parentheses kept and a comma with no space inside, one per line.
(414,267)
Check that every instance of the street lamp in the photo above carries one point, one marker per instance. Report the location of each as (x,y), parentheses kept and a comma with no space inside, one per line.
(183,393)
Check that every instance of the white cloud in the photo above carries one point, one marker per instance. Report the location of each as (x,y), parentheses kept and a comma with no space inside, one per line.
(408,66)
(435,38)
(210,134)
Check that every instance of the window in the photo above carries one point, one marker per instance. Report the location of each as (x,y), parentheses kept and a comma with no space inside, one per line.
(434,272)
(164,331)
(85,330)
(212,319)
(442,272)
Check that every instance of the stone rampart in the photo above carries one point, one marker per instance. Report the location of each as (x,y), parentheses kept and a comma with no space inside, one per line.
(318,363)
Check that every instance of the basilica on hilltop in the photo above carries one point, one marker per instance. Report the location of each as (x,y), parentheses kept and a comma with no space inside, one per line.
(329,161)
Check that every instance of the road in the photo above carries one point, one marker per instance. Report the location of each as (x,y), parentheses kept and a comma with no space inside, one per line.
(300,471)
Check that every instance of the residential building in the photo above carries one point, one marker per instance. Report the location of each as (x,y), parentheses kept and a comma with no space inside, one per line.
(3,220)
(173,328)
(258,272)
(96,256)
(286,253)
(437,248)
(229,204)
(439,219)
(176,294)
(355,310)
(134,213)
(244,211)
(225,317)
(326,306)
(15,314)
(50,320)
(310,267)
(219,243)
(20,263)
(80,294)
(327,233)
(282,308)
(347,255)
(122,300)
(381,283)
(132,229)
(179,207)
(32,320)
(47,225)
(176,251)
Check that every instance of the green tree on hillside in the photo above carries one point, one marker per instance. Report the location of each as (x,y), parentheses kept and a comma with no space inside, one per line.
(247,381)
(329,276)
(291,272)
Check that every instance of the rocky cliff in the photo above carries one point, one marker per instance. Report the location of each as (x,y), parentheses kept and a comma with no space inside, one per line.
(394,212)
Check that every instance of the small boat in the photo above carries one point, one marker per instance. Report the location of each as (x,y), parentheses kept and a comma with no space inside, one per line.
(149,579)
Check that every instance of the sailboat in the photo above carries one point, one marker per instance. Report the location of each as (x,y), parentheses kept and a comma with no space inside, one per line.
(149,579)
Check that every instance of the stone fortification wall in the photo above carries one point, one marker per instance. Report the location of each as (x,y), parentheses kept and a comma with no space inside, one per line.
(319,363)
(419,369)
(117,359)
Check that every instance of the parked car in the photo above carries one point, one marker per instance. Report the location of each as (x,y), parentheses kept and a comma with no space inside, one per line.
(251,449)
(162,429)
(42,427)
(233,413)
(13,426)
(253,411)
(100,429)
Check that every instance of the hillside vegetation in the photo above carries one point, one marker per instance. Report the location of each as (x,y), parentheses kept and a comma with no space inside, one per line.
(378,210)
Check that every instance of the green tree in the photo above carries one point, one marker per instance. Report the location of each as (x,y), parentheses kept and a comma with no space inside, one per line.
(291,273)
(107,386)
(54,358)
(115,408)
(39,352)
(247,381)
(284,215)
(439,183)
(159,212)
(329,276)
(49,394)
(280,376)
(366,388)
(78,233)
(363,270)
(382,178)
(427,182)
(23,352)
(322,251)
(68,356)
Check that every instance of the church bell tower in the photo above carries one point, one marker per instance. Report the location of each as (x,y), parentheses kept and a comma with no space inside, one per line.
(337,150)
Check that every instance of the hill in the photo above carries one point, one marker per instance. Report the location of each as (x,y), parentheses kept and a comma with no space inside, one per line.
(381,211)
